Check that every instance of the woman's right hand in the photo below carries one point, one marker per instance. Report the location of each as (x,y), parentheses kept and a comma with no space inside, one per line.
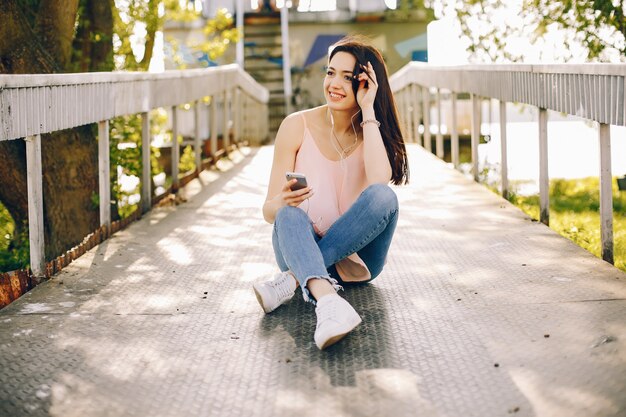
(294,198)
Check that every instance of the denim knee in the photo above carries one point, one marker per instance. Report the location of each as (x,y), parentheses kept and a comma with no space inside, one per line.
(290,214)
(382,196)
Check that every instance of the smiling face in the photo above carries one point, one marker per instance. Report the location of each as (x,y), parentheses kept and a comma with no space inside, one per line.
(338,82)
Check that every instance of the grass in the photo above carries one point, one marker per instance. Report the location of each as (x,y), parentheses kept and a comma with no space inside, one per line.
(574,213)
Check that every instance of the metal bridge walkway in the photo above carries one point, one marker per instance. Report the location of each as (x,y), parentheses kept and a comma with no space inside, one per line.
(479,312)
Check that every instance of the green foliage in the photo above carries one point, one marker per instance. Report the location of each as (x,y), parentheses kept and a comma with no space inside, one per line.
(95,201)
(574,206)
(587,18)
(597,25)
(409,10)
(219,36)
(14,253)
(133,17)
(125,153)
(187,160)
(130,17)
(180,13)
(126,130)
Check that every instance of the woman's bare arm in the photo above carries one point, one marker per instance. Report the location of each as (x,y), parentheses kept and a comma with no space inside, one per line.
(286,146)
(377,166)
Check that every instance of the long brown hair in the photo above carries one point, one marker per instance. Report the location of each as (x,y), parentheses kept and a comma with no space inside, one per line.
(384,104)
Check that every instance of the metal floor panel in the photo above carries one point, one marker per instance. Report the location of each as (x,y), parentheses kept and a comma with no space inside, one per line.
(479,312)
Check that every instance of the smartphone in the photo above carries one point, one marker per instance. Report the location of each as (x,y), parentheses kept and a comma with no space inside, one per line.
(301,180)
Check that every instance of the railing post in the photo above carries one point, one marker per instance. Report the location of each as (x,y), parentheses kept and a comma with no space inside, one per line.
(407,114)
(454,134)
(260,121)
(236,113)
(475,134)
(416,114)
(197,138)
(606,193)
(241,111)
(225,120)
(544,180)
(439,137)
(146,177)
(266,120)
(401,110)
(426,98)
(504,166)
(248,120)
(104,174)
(402,114)
(284,31)
(175,149)
(35,206)
(213,127)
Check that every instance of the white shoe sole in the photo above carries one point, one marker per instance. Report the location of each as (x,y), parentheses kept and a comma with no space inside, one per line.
(259,298)
(334,339)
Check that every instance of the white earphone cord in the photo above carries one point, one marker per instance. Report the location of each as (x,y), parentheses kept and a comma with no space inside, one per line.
(343,152)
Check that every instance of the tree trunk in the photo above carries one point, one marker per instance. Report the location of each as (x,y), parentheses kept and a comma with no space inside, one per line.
(70,162)
(70,178)
(20,51)
(93,45)
(55,28)
(151,28)
(101,13)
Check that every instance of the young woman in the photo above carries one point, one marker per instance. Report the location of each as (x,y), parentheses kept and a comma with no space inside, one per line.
(337,230)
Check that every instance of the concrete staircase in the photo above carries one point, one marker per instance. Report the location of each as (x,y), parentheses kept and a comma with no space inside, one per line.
(263,60)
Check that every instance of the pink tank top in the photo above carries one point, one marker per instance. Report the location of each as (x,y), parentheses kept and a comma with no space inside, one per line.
(337,185)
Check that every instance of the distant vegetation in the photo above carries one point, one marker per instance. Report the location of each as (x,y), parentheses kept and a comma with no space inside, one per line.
(13,249)
(90,35)
(574,213)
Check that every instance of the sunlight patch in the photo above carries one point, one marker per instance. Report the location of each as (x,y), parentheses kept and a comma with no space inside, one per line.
(175,251)
(34,308)
(251,271)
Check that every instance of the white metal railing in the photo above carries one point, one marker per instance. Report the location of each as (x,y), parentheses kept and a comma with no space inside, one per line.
(595,92)
(31,105)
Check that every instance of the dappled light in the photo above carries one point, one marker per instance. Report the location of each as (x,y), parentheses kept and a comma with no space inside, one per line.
(555,399)
(473,295)
(133,200)
(175,251)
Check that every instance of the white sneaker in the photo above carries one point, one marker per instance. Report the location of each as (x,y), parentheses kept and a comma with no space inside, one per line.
(276,292)
(335,319)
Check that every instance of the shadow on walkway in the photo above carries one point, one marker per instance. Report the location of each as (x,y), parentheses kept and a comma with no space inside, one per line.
(479,312)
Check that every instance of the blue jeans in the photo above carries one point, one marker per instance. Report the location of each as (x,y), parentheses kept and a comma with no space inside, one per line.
(366,228)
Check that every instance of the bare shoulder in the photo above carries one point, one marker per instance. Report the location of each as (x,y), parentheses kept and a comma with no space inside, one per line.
(314,115)
(290,132)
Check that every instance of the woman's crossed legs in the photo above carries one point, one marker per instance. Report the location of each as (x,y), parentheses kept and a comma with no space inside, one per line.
(367,229)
